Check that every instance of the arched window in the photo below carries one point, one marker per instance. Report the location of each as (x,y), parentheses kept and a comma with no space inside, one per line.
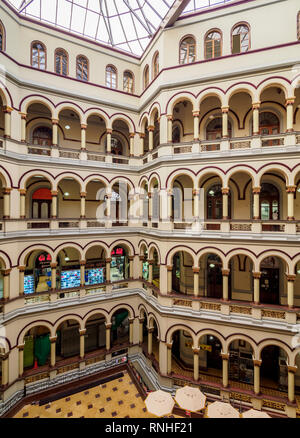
(213,43)
(128,82)
(61,62)
(82,68)
(146,76)
(38,55)
(2,37)
(42,136)
(187,50)
(111,76)
(240,39)
(155,65)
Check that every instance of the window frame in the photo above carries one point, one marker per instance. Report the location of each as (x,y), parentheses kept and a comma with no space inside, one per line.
(3,33)
(111,66)
(67,57)
(133,82)
(155,65)
(31,55)
(87,66)
(146,70)
(241,23)
(213,49)
(195,48)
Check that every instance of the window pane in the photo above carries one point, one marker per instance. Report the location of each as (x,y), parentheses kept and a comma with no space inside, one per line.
(236,44)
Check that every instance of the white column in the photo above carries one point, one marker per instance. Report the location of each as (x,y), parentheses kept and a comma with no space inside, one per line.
(169,358)
(131,147)
(108,262)
(108,327)
(21,359)
(82,333)
(54,204)
(6,203)
(141,330)
(225,195)
(5,367)
(23,127)
(22,203)
(53,275)
(196,125)
(83,137)
(108,140)
(82,273)
(290,289)
(256,286)
(150,278)
(255,115)
(150,339)
(6,283)
(196,352)
(131,320)
(196,204)
(131,258)
(151,131)
(256,193)
(225,366)
(21,279)
(170,128)
(7,121)
(142,143)
(290,202)
(289,114)
(225,273)
(257,364)
(53,351)
(196,270)
(291,383)
(225,111)
(169,271)
(82,205)
(55,132)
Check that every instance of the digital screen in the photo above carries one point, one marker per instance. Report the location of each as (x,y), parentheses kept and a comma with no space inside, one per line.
(70,279)
(94,276)
(28,284)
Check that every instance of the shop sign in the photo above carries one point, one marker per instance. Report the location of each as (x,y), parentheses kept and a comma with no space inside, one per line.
(206,347)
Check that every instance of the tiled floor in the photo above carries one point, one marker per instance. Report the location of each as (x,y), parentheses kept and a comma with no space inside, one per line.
(116,399)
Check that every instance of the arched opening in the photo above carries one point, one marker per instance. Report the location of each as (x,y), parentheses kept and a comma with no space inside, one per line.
(61,62)
(37,348)
(41,203)
(182,200)
(120,139)
(2,37)
(214,277)
(241,279)
(95,131)
(273,370)
(95,267)
(241,367)
(68,340)
(38,200)
(37,276)
(69,201)
(95,201)
(119,267)
(69,132)
(182,353)
(272,284)
(240,109)
(2,271)
(156,132)
(182,273)
(120,204)
(240,198)
(39,127)
(214,202)
(187,50)
(214,130)
(95,337)
(120,328)
(269,201)
(68,271)
(183,120)
(128,82)
(210,359)
(155,201)
(269,125)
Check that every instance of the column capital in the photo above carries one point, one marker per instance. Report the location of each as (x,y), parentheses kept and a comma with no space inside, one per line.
(196,192)
(225,109)
(7,190)
(196,113)
(225,272)
(131,134)
(256,190)
(6,272)
(108,326)
(83,126)
(225,190)
(82,262)
(196,269)
(291,189)
(23,115)
(54,121)
(150,329)
(169,345)
(142,135)
(53,265)
(131,320)
(225,356)
(141,320)
(291,277)
(82,332)
(21,347)
(131,258)
(292,369)
(22,268)
(256,105)
(151,262)
(170,192)
(196,350)
(257,362)
(82,194)
(149,195)
(108,260)
(4,356)
(22,192)
(108,131)
(54,192)
(142,258)
(7,109)
(170,117)
(256,274)
(170,268)
(53,339)
(150,128)
(290,101)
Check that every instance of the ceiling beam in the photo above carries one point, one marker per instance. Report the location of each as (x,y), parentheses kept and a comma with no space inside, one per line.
(174,13)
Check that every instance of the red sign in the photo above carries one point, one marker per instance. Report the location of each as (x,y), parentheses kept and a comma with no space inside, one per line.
(43,258)
(118,251)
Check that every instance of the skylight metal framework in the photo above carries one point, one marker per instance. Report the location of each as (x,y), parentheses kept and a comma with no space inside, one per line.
(127,25)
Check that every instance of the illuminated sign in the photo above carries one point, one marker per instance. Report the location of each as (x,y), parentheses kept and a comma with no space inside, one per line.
(118,252)
(43,258)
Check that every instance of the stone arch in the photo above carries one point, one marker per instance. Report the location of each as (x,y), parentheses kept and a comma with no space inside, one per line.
(209,171)
(243,87)
(66,245)
(275,253)
(144,121)
(174,328)
(177,173)
(72,175)
(70,106)
(243,168)
(91,178)
(210,250)
(5,260)
(96,112)
(210,332)
(30,100)
(277,167)
(93,244)
(277,82)
(276,342)
(26,176)
(93,312)
(125,119)
(153,247)
(154,109)
(68,317)
(174,250)
(211,92)
(129,246)
(118,307)
(237,337)
(245,252)
(178,97)
(38,323)
(34,247)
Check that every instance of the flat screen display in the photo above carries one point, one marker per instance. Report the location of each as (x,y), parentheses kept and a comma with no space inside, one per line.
(28,284)
(94,276)
(70,279)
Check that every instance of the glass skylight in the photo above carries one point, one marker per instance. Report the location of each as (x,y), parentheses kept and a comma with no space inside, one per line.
(126,25)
